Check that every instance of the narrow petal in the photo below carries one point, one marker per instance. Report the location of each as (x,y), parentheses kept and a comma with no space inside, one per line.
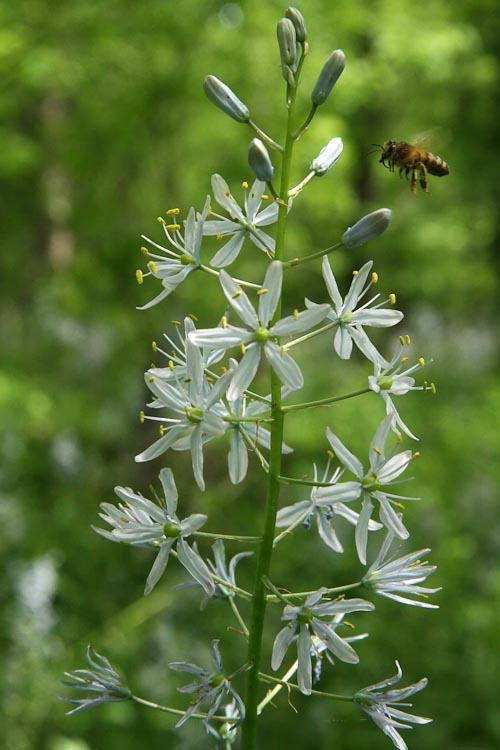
(284,366)
(195,566)
(344,455)
(335,643)
(159,566)
(237,460)
(304,672)
(224,198)
(331,284)
(245,372)
(304,321)
(228,252)
(238,300)
(280,646)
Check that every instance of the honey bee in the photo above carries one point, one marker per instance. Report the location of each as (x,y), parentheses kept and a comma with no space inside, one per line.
(412,161)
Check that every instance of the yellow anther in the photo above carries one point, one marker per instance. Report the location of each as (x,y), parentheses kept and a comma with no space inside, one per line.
(161,430)
(264,197)
(218,236)
(282,350)
(421,361)
(244,185)
(139,276)
(141,417)
(151,379)
(173,227)
(175,322)
(237,294)
(171,365)
(154,346)
(355,273)
(209,379)
(377,451)
(242,349)
(374,277)
(399,505)
(392,299)
(415,455)
(173,211)
(144,250)
(407,340)
(152,267)
(330,454)
(295,314)
(224,321)
(402,340)
(433,388)
(404,360)
(161,220)
(262,291)
(193,317)
(152,366)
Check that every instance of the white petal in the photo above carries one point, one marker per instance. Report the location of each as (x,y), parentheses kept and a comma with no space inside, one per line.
(195,566)
(344,455)
(331,284)
(268,301)
(237,460)
(228,252)
(245,372)
(284,366)
(238,300)
(224,198)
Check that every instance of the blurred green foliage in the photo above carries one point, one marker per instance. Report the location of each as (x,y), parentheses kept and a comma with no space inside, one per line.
(104,126)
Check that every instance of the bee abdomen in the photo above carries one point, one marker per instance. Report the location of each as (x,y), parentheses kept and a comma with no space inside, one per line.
(436,166)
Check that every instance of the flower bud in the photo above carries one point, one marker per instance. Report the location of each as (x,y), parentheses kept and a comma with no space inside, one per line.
(327,157)
(328,77)
(297,19)
(259,160)
(367,228)
(287,42)
(222,96)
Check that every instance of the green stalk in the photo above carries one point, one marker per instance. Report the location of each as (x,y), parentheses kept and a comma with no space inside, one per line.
(249,728)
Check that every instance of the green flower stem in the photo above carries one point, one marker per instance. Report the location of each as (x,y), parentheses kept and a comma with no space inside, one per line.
(264,137)
(241,282)
(313,256)
(307,336)
(290,685)
(287,598)
(277,688)
(238,616)
(231,537)
(166,709)
(289,530)
(249,727)
(324,401)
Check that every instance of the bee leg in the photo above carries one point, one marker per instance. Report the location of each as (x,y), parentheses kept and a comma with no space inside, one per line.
(423,177)
(413,184)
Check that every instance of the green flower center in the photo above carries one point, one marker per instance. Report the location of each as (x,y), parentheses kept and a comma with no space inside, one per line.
(305,616)
(385,383)
(194,415)
(261,334)
(171,531)
(187,260)
(216,680)
(370,482)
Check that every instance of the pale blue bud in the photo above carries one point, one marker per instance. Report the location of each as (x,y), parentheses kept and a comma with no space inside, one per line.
(328,77)
(297,19)
(259,160)
(367,228)
(287,42)
(222,96)
(327,157)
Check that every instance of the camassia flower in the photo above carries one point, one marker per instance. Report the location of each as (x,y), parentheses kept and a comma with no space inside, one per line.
(181,257)
(384,706)
(394,378)
(373,484)
(102,683)
(142,523)
(258,336)
(315,618)
(349,316)
(197,407)
(246,222)
(324,510)
(399,578)
(208,687)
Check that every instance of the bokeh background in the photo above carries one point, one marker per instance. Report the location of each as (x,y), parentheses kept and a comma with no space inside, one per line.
(104,126)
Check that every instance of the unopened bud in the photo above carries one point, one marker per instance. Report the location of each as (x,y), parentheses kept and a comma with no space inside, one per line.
(287,42)
(297,19)
(367,228)
(330,73)
(259,160)
(222,96)
(327,157)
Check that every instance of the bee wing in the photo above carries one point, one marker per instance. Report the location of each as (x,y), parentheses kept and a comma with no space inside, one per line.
(431,139)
